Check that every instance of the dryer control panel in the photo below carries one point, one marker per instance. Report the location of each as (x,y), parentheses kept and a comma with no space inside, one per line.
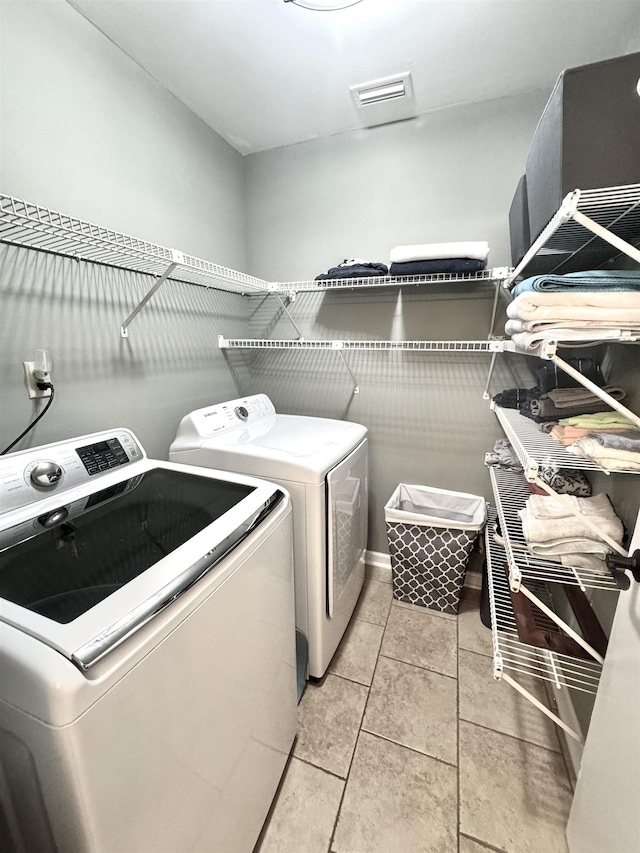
(32,475)
(223,417)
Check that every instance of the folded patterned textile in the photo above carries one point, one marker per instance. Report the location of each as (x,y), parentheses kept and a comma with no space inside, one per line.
(437,251)
(585,280)
(547,407)
(448,265)
(550,376)
(625,440)
(513,398)
(551,529)
(617,308)
(608,458)
(565,481)
(354,268)
(503,456)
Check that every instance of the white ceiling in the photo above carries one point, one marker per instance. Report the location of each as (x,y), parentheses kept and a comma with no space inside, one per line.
(265,73)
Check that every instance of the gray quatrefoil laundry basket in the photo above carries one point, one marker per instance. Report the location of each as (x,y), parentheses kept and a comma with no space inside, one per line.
(431,533)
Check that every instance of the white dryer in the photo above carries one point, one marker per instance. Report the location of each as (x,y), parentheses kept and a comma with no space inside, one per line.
(323,465)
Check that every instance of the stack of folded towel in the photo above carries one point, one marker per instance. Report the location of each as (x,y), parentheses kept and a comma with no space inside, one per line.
(430,258)
(559,395)
(609,439)
(613,451)
(595,305)
(553,532)
(567,402)
(354,268)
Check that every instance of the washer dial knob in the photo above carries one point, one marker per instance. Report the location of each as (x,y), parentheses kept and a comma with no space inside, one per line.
(241,413)
(45,475)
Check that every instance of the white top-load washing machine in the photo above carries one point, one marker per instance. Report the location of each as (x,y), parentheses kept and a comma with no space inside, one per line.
(147,651)
(323,465)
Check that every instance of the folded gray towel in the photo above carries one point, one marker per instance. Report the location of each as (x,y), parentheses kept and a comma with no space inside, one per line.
(627,440)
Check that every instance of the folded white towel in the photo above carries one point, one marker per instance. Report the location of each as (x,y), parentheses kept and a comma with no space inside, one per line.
(591,562)
(566,548)
(620,307)
(546,522)
(608,458)
(478,250)
(532,340)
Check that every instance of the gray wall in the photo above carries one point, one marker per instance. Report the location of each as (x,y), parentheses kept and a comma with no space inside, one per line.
(87,132)
(446,176)
(449,175)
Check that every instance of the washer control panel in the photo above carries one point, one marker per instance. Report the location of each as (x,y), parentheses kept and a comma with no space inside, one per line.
(102,455)
(33,475)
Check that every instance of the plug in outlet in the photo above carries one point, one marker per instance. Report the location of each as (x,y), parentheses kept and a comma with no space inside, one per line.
(32,381)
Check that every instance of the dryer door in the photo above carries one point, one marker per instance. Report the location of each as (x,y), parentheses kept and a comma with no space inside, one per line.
(347,504)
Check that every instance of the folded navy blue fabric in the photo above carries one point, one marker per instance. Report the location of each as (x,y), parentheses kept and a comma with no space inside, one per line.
(354,271)
(449,265)
(586,280)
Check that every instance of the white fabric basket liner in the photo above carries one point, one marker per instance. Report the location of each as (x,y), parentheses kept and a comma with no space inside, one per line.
(430,507)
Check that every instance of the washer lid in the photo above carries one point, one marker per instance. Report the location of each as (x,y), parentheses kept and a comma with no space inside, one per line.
(84,576)
(295,448)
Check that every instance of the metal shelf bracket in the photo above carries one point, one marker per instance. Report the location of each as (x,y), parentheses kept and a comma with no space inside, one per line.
(176,258)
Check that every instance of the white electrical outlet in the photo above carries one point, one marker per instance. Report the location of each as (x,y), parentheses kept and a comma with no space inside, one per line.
(30,379)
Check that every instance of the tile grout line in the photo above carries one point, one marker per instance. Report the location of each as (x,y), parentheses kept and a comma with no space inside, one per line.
(410,748)
(355,746)
(419,666)
(513,737)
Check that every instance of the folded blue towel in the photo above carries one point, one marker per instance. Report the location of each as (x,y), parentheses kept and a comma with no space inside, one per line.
(587,280)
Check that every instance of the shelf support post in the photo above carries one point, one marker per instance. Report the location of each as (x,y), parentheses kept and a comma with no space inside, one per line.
(288,313)
(338,346)
(177,258)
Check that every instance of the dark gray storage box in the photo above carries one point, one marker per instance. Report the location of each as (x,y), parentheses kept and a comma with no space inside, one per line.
(588,136)
(519,223)
(431,533)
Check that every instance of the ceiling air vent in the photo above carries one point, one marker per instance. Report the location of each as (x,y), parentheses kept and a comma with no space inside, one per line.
(386,89)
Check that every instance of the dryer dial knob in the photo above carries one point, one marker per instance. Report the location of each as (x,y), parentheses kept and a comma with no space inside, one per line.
(242,413)
(45,475)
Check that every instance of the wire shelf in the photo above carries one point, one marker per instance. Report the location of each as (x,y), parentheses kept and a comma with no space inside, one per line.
(535,448)
(487,276)
(590,228)
(509,652)
(351,345)
(510,492)
(34,227)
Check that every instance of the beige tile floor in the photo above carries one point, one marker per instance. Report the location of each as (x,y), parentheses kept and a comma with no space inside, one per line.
(408,745)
